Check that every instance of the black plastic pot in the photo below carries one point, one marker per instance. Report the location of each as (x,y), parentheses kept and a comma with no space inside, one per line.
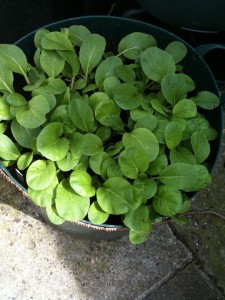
(113,29)
(201,15)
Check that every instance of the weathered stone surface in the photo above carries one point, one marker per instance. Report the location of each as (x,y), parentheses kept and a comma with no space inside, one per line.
(190,283)
(39,262)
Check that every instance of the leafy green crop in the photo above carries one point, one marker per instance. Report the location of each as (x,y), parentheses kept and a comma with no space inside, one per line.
(100,133)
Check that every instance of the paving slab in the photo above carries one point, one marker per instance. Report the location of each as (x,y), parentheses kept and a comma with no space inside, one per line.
(39,262)
(199,287)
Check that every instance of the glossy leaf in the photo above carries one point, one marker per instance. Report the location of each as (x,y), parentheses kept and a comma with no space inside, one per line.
(115,197)
(51,63)
(127,96)
(144,139)
(40,174)
(96,215)
(157,63)
(167,201)
(22,135)
(200,145)
(44,197)
(69,205)
(206,100)
(92,144)
(82,115)
(185,109)
(174,88)
(107,69)
(24,160)
(91,52)
(6,78)
(50,142)
(132,161)
(173,134)
(35,115)
(15,58)
(81,182)
(138,219)
(177,50)
(8,149)
(53,215)
(134,43)
(56,41)
(179,176)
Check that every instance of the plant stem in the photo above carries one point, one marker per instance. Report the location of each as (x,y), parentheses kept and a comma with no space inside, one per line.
(192,213)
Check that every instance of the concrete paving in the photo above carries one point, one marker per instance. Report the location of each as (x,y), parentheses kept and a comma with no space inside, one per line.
(177,263)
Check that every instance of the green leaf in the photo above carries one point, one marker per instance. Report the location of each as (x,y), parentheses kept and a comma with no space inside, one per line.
(96,215)
(40,174)
(149,121)
(81,182)
(103,132)
(115,149)
(6,78)
(182,155)
(200,145)
(77,34)
(177,50)
(91,52)
(39,35)
(132,161)
(173,134)
(72,59)
(68,163)
(24,160)
(15,58)
(179,175)
(157,63)
(69,205)
(199,123)
(206,100)
(50,143)
(92,144)
(156,166)
(138,219)
(159,131)
(53,215)
(56,41)
(82,115)
(204,179)
(127,96)
(116,196)
(15,99)
(23,135)
(3,127)
(104,110)
(189,82)
(52,86)
(134,43)
(107,69)
(185,109)
(174,88)
(137,237)
(144,139)
(147,188)
(44,197)
(167,201)
(8,149)
(126,73)
(110,85)
(34,116)
(51,63)
(96,162)
(5,113)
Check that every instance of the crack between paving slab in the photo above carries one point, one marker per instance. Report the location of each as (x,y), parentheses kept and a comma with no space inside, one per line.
(164,280)
(182,239)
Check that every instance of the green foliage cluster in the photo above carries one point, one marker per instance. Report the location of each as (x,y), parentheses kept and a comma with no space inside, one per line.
(99,133)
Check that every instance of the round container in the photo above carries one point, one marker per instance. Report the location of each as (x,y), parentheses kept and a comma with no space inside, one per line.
(113,29)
